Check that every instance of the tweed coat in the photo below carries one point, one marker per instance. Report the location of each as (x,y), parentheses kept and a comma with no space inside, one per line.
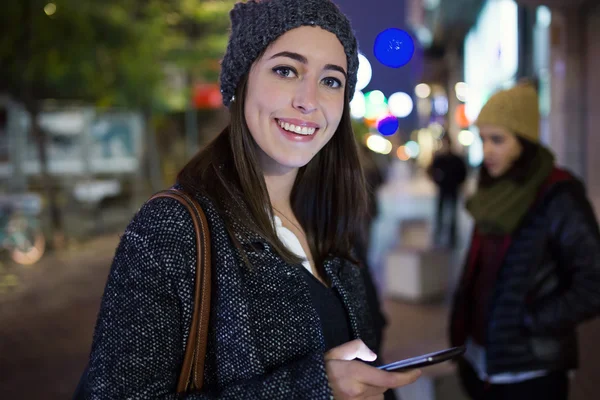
(265,338)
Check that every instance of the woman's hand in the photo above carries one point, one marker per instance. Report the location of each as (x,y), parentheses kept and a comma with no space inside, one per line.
(352,379)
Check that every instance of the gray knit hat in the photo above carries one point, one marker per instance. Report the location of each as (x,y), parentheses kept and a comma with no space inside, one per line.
(257,23)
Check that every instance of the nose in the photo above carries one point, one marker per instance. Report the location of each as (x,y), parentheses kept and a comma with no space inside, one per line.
(305,98)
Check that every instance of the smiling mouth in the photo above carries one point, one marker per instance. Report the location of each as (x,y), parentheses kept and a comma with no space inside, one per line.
(299,130)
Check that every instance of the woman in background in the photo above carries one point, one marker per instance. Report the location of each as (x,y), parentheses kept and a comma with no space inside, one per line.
(533,270)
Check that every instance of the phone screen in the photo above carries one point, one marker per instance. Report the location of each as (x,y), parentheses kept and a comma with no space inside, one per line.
(425,360)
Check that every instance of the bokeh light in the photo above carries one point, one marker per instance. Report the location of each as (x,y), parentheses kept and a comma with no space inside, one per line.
(376,97)
(412,149)
(475,151)
(401,153)
(461,89)
(388,125)
(379,144)
(50,9)
(375,105)
(422,90)
(543,16)
(394,47)
(358,106)
(365,72)
(440,105)
(436,129)
(400,104)
(461,117)
(466,137)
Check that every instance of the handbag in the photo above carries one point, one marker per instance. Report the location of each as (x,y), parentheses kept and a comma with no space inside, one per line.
(191,377)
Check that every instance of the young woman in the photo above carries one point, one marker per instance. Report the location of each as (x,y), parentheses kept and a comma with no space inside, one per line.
(284,196)
(533,270)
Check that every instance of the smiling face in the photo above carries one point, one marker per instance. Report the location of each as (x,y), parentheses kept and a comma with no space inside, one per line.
(295,97)
(500,149)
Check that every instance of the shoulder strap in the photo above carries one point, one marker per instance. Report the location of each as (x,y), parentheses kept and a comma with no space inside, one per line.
(191,377)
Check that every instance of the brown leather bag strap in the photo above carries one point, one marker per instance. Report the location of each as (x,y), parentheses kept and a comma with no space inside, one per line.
(191,377)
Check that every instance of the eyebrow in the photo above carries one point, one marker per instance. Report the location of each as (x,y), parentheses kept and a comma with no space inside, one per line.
(301,59)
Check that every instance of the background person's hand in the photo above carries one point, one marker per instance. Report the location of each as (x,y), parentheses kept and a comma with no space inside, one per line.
(352,379)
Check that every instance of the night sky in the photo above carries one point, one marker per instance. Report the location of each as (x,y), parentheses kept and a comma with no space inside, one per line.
(368,18)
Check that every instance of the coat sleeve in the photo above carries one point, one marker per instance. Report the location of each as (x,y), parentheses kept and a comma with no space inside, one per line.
(139,340)
(575,239)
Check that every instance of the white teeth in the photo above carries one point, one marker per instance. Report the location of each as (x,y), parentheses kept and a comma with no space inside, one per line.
(297,129)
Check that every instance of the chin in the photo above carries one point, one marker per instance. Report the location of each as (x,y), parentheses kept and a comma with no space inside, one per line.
(293,162)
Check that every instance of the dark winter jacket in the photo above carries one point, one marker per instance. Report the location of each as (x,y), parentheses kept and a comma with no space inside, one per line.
(548,283)
(265,339)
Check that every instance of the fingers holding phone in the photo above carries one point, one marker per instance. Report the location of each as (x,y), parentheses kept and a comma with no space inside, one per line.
(352,379)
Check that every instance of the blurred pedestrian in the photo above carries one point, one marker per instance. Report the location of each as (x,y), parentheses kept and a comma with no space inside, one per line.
(449,171)
(533,270)
(284,195)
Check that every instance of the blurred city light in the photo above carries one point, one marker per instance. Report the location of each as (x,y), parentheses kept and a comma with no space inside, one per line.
(424,35)
(436,129)
(365,72)
(543,16)
(431,4)
(475,151)
(50,9)
(400,104)
(440,105)
(207,96)
(402,154)
(376,105)
(376,97)
(422,90)
(461,117)
(461,89)
(387,125)
(466,137)
(379,144)
(358,106)
(412,149)
(394,48)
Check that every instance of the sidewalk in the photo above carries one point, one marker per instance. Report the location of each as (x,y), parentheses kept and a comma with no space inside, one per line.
(47,320)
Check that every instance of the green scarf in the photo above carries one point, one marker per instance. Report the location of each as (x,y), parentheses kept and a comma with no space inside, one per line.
(500,207)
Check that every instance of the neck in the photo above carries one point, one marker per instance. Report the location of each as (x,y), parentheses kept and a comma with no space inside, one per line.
(280,187)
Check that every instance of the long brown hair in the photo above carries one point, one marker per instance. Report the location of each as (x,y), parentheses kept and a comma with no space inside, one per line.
(328,197)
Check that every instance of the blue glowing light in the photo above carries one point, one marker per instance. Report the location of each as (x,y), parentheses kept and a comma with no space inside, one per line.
(394,48)
(388,125)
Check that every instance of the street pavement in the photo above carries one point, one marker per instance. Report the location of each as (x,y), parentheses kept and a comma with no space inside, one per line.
(47,317)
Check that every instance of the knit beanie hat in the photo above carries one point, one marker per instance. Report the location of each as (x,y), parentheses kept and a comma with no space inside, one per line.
(516,110)
(255,24)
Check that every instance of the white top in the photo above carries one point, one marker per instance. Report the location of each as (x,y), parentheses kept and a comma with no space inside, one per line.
(475,355)
(290,240)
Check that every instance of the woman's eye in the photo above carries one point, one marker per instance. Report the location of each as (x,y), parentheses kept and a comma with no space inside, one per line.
(332,82)
(285,72)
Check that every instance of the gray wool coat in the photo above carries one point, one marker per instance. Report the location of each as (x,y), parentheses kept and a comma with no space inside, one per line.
(265,339)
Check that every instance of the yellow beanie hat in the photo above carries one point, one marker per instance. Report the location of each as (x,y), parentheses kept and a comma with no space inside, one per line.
(514,109)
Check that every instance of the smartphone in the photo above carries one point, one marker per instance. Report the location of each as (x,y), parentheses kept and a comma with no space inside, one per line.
(425,360)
